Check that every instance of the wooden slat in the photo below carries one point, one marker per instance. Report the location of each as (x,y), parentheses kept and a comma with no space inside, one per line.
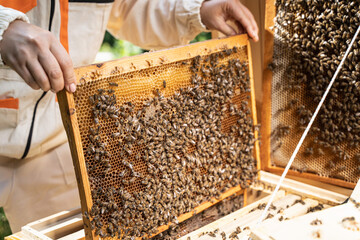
(33,234)
(68,115)
(338,182)
(79,235)
(267,78)
(245,196)
(16,236)
(253,107)
(54,219)
(303,189)
(297,209)
(55,226)
(64,225)
(64,228)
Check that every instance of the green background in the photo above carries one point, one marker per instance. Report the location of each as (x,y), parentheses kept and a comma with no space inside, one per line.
(4,225)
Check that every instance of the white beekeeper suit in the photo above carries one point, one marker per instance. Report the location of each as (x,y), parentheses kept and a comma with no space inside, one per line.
(36,172)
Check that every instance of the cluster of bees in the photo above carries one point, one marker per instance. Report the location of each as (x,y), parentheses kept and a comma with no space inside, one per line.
(209,215)
(351,224)
(318,207)
(317,34)
(165,156)
(348,223)
(316,222)
(214,234)
(234,234)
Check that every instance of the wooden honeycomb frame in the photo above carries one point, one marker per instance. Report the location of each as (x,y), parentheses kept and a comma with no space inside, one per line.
(266,116)
(70,120)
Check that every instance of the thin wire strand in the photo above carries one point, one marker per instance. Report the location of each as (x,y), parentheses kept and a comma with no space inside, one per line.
(307,128)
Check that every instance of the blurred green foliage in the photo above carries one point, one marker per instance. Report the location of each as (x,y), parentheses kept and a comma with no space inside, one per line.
(122,48)
(201,37)
(119,48)
(4,225)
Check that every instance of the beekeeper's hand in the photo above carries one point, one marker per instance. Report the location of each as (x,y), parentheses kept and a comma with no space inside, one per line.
(38,57)
(215,13)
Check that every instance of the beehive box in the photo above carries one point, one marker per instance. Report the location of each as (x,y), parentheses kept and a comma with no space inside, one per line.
(162,136)
(68,225)
(295,199)
(339,222)
(304,43)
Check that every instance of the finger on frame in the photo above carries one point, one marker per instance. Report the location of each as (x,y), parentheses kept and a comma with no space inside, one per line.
(66,66)
(39,75)
(53,70)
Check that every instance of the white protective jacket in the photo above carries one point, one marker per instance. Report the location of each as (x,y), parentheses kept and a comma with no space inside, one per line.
(30,121)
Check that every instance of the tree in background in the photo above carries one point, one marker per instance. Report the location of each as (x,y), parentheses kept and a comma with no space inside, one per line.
(113,48)
(4,225)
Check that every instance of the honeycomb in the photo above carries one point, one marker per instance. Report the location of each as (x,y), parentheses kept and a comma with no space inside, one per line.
(309,41)
(160,141)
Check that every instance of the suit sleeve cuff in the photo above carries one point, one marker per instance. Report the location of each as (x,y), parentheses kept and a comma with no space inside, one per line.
(194,15)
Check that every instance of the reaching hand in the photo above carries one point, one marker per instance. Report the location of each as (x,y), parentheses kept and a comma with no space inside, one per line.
(38,57)
(215,13)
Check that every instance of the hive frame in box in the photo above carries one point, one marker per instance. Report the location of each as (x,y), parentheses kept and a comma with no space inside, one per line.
(266,184)
(70,121)
(266,116)
(66,224)
(331,225)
